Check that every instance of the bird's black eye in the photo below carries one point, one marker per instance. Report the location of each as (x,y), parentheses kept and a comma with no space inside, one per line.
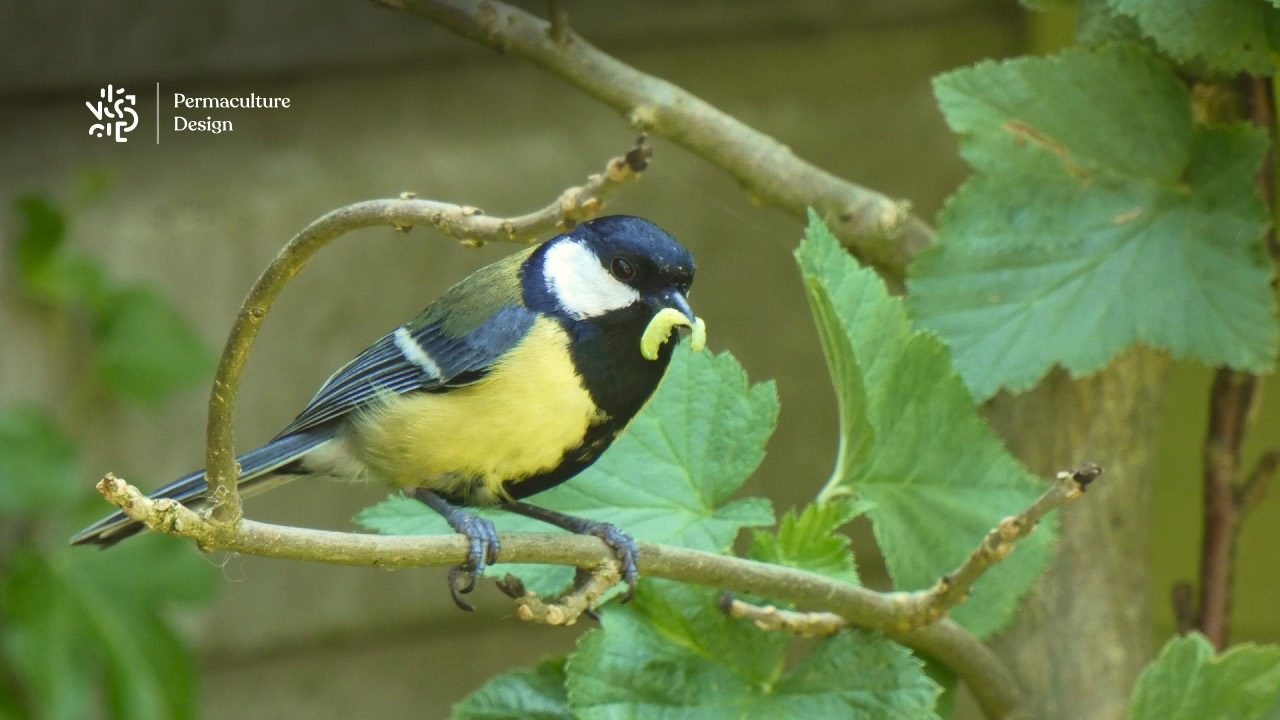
(622,269)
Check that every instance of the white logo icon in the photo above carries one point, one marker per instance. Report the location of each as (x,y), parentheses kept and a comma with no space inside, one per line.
(113,109)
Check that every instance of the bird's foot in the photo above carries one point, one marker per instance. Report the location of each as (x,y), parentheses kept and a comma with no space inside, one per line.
(482,550)
(624,549)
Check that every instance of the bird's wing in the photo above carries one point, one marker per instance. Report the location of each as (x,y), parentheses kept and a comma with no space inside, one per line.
(426,358)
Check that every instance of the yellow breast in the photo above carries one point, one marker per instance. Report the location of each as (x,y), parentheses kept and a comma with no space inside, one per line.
(516,422)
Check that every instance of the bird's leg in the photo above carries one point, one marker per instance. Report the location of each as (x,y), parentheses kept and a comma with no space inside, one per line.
(624,548)
(478,531)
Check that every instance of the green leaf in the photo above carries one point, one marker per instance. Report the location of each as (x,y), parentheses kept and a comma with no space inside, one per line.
(43,231)
(673,654)
(39,466)
(858,674)
(1231,36)
(48,270)
(667,479)
(151,570)
(72,620)
(10,703)
(810,540)
(537,694)
(1187,682)
(146,350)
(856,432)
(400,515)
(1089,226)
(936,478)
(41,640)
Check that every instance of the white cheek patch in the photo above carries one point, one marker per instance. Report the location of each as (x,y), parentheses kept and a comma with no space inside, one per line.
(582,286)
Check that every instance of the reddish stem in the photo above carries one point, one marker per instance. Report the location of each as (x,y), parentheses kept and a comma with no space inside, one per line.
(1227,494)
(1230,402)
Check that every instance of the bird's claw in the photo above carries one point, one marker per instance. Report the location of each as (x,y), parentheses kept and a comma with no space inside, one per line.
(624,549)
(482,552)
(461,582)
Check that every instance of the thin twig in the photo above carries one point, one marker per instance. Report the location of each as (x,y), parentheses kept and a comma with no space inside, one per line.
(1231,401)
(990,681)
(465,223)
(1250,493)
(927,606)
(588,587)
(881,231)
(1184,613)
(559,15)
(774,619)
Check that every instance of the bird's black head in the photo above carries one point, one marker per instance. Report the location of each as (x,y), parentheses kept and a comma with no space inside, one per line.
(614,264)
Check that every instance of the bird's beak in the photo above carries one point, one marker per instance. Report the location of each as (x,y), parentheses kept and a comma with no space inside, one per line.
(675,299)
(672,311)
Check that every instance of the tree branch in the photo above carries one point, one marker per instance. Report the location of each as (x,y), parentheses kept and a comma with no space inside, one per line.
(989,680)
(879,230)
(922,608)
(951,590)
(1230,401)
(1228,494)
(468,224)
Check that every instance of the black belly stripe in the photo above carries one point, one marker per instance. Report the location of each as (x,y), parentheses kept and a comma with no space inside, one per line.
(597,440)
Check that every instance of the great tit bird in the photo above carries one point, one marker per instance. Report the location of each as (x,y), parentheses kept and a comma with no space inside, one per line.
(512,382)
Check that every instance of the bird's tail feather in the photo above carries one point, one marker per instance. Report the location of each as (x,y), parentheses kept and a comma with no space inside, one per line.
(256,468)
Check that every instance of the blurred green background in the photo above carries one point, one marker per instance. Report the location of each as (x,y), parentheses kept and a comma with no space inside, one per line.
(385,102)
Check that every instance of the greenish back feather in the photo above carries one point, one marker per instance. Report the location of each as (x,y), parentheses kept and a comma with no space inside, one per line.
(468,304)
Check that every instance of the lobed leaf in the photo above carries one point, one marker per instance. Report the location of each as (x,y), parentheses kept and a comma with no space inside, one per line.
(1188,682)
(674,655)
(1098,217)
(811,540)
(935,478)
(537,694)
(1230,36)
